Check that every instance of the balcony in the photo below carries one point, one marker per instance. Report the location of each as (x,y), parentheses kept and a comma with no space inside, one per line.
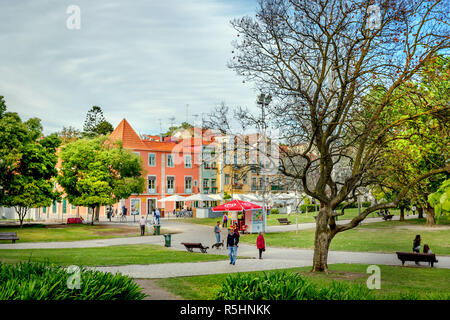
(238,186)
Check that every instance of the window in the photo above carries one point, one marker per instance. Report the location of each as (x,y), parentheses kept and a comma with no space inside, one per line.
(44,209)
(170,184)
(54,207)
(206,183)
(235,178)
(64,206)
(151,184)
(187,184)
(170,161)
(152,159)
(227,178)
(244,179)
(74,207)
(213,183)
(188,161)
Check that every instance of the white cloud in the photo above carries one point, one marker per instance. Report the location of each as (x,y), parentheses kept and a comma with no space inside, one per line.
(142,60)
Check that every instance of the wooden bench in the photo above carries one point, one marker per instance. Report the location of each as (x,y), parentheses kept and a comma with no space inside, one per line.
(416,257)
(190,246)
(9,236)
(387,217)
(283,221)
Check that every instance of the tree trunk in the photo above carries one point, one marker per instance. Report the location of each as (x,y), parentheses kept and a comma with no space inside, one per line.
(402,213)
(97,213)
(322,241)
(431,221)
(92,216)
(420,210)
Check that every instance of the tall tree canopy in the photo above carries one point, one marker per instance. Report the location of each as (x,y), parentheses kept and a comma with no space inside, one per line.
(27,164)
(321,60)
(96,124)
(97,172)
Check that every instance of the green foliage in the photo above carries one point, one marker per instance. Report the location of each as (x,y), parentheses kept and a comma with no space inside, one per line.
(43,281)
(440,200)
(226,196)
(28,164)
(2,106)
(96,124)
(287,286)
(96,172)
(310,207)
(172,130)
(274,211)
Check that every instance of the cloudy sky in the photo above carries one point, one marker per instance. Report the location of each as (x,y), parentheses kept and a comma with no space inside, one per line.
(139,60)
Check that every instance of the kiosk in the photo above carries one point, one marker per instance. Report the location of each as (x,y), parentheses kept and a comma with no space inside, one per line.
(248,216)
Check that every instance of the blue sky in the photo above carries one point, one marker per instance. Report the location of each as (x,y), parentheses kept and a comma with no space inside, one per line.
(139,60)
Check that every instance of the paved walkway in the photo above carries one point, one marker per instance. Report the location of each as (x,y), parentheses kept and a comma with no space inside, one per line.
(273,258)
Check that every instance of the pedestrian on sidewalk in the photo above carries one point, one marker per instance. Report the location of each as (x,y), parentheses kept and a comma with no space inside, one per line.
(157,214)
(260,244)
(232,245)
(142,224)
(217,231)
(224,221)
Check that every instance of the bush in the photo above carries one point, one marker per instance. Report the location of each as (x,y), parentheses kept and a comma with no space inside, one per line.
(43,281)
(274,211)
(287,286)
(311,207)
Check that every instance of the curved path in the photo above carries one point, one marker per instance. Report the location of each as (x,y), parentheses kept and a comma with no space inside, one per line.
(273,258)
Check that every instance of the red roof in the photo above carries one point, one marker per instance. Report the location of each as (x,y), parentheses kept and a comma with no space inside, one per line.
(130,139)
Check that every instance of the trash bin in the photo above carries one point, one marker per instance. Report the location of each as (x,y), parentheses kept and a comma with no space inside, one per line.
(167,238)
(156,229)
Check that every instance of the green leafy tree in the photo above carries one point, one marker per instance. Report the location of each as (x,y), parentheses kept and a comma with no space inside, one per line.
(419,137)
(440,200)
(69,134)
(97,172)
(28,164)
(2,106)
(96,124)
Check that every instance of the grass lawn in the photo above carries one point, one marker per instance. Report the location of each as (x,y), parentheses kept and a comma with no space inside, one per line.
(69,232)
(107,256)
(302,217)
(396,282)
(386,236)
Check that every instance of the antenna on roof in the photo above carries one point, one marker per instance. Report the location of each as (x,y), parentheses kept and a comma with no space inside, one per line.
(172,120)
(160,125)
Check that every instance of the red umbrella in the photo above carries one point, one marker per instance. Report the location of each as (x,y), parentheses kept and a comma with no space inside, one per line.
(236,205)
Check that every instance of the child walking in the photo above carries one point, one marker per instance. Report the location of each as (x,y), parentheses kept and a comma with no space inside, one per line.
(260,244)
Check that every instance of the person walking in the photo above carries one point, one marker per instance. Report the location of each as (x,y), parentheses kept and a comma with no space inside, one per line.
(232,245)
(157,214)
(217,231)
(260,244)
(142,224)
(153,216)
(224,221)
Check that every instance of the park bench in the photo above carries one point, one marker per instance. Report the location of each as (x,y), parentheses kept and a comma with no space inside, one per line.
(9,236)
(283,221)
(387,217)
(416,257)
(190,246)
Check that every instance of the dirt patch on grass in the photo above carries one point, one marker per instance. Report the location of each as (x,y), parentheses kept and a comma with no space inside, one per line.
(155,292)
(423,228)
(338,275)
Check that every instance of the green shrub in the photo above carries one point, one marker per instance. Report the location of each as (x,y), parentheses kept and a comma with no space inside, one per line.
(311,207)
(287,286)
(274,211)
(43,281)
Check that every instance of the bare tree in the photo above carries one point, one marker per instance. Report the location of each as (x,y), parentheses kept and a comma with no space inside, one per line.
(332,67)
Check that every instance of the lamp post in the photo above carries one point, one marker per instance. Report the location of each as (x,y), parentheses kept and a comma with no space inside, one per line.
(264,100)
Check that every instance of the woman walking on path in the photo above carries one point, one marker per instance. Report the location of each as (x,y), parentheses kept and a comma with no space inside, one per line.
(260,244)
